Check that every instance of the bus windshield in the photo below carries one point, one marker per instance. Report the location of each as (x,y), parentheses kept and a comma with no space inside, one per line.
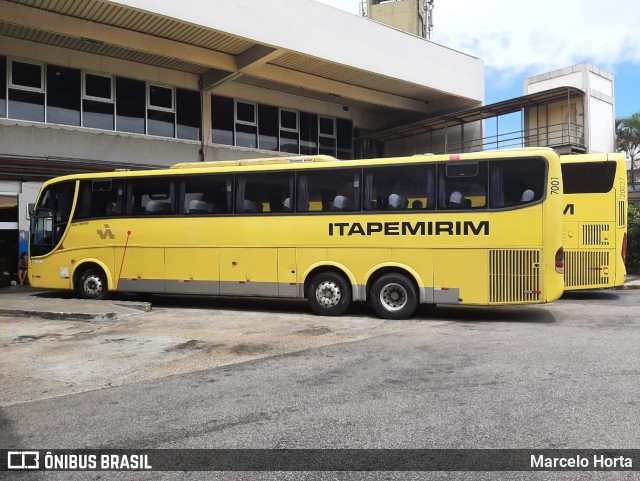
(51,216)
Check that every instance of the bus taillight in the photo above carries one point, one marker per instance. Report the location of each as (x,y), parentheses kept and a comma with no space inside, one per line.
(560,261)
(624,248)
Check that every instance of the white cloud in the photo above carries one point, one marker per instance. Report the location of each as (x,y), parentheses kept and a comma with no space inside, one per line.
(545,34)
(517,36)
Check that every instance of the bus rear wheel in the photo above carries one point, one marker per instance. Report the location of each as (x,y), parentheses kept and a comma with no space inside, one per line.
(93,284)
(394,296)
(329,294)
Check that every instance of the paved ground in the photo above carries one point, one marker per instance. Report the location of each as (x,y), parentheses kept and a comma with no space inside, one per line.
(198,372)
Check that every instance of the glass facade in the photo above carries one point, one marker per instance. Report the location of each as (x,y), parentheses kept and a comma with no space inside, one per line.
(247,124)
(40,92)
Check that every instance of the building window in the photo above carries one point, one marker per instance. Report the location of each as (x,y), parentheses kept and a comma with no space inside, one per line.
(222,120)
(150,196)
(327,136)
(308,133)
(161,116)
(188,114)
(345,138)
(3,87)
(268,127)
(206,194)
(26,91)
(63,95)
(267,192)
(391,188)
(246,125)
(289,132)
(130,105)
(98,102)
(328,190)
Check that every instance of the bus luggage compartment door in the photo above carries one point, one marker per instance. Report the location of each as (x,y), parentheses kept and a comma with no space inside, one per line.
(249,271)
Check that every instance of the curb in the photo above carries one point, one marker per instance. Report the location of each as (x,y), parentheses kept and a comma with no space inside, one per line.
(59,316)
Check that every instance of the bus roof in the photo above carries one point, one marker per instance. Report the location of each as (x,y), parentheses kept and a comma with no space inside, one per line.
(297,159)
(295,162)
(598,157)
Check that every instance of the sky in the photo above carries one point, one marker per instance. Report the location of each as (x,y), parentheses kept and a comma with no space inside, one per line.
(519,39)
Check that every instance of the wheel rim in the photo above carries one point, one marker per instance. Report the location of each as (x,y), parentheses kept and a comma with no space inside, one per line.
(393,297)
(328,294)
(93,286)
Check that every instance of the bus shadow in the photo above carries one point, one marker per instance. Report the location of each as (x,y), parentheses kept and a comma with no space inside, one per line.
(518,314)
(602,295)
(523,314)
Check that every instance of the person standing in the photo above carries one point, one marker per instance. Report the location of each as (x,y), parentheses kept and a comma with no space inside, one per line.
(23,269)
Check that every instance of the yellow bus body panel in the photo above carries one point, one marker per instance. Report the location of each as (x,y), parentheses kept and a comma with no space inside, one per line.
(594,228)
(471,257)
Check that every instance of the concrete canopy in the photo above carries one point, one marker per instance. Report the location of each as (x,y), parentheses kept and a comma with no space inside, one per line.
(312,50)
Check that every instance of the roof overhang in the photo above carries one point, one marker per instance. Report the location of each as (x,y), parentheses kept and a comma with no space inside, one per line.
(480,113)
(254,43)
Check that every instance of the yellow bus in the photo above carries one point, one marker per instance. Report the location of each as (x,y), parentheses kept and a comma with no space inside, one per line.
(595,220)
(397,232)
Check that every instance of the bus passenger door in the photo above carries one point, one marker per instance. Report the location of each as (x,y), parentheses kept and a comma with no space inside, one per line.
(287,273)
(249,271)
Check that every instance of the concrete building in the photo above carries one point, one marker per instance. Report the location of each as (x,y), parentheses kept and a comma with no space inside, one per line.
(582,123)
(93,85)
(413,16)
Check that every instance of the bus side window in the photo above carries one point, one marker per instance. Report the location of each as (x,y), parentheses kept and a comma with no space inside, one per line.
(99,198)
(329,191)
(205,194)
(264,192)
(462,185)
(151,196)
(509,188)
(393,189)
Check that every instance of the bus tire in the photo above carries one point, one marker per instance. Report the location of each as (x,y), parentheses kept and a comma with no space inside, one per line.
(394,296)
(93,284)
(329,294)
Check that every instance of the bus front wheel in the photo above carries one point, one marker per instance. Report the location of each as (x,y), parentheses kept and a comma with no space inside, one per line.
(329,294)
(93,284)
(394,296)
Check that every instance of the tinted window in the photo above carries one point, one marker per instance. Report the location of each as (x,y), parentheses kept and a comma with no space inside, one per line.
(588,177)
(514,183)
(98,86)
(264,192)
(57,198)
(188,114)
(329,190)
(161,97)
(150,196)
(268,127)
(63,95)
(27,75)
(97,115)
(308,133)
(400,188)
(462,185)
(161,123)
(345,138)
(222,120)
(26,105)
(130,105)
(206,194)
(99,198)
(3,86)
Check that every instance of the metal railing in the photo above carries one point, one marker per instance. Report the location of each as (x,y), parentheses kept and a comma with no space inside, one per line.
(565,134)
